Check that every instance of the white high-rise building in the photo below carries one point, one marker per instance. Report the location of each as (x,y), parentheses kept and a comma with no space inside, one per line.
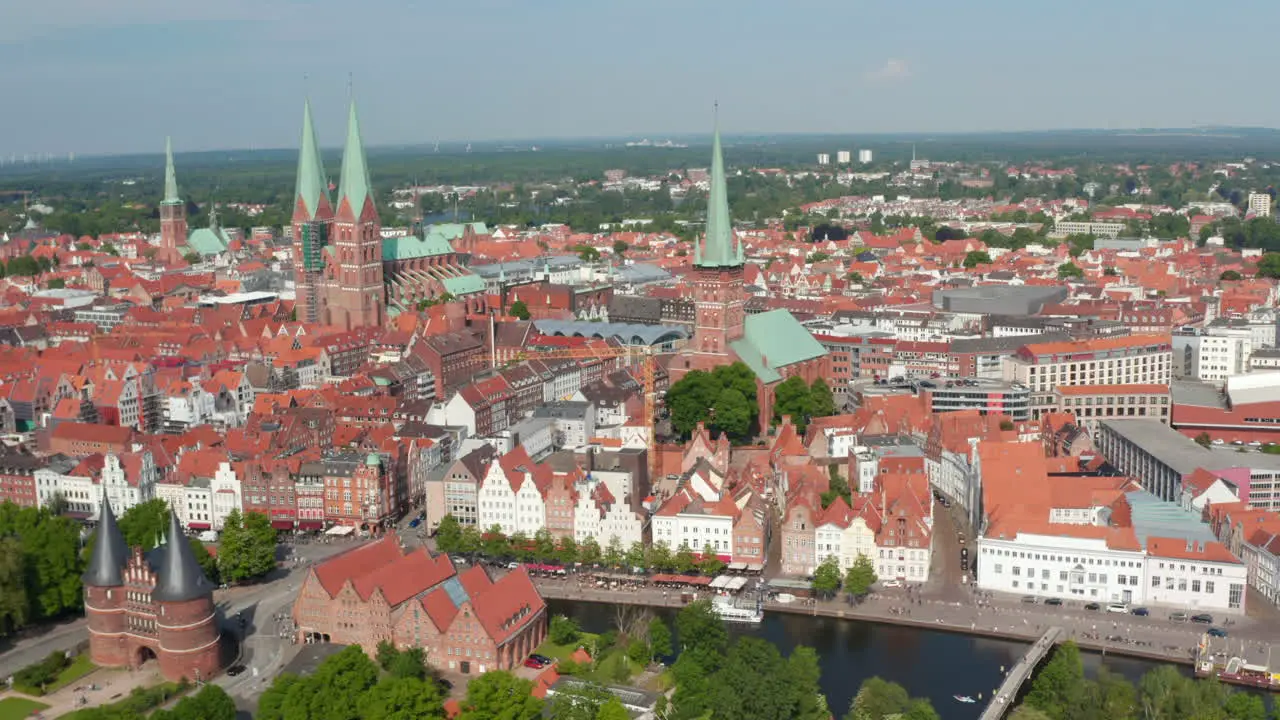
(1260,204)
(824,158)
(864,157)
(842,157)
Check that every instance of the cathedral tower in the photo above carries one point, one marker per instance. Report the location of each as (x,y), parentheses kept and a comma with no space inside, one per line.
(357,296)
(719,295)
(312,223)
(173,211)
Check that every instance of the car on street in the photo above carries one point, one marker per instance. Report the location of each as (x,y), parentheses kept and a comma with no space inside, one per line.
(535,663)
(1203,619)
(1216,632)
(1141,611)
(1118,608)
(1178,617)
(415,522)
(964,552)
(235,670)
(541,658)
(1053,601)
(964,565)
(891,583)
(1092,606)
(1029,599)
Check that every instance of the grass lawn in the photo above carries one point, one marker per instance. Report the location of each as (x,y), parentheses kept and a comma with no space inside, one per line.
(15,708)
(562,652)
(662,682)
(79,667)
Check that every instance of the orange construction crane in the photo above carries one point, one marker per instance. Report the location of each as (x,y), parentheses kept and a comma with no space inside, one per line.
(647,364)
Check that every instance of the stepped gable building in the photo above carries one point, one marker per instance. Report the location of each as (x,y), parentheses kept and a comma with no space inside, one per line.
(346,273)
(464,622)
(150,605)
(773,344)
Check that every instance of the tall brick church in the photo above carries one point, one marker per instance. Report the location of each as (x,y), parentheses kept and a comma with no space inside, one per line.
(773,344)
(337,247)
(150,605)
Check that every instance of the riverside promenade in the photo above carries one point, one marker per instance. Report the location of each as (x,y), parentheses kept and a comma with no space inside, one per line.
(1149,638)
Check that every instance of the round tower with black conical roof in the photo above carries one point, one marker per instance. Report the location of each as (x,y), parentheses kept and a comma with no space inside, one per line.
(186,623)
(104,594)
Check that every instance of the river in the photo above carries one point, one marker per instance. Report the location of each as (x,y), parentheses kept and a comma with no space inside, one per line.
(928,663)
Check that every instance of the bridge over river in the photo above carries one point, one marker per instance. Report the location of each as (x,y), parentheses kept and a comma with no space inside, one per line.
(1018,674)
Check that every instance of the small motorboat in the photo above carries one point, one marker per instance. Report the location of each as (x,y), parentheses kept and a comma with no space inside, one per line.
(964,699)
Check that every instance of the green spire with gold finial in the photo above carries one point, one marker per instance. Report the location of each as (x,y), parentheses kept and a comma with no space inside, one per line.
(170,177)
(353,186)
(719,248)
(311,184)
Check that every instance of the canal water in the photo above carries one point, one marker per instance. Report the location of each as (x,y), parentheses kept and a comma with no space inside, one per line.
(928,663)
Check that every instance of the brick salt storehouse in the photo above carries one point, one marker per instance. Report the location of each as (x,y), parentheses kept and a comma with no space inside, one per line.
(154,605)
(464,622)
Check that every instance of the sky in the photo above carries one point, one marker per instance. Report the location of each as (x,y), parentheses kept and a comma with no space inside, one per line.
(117,76)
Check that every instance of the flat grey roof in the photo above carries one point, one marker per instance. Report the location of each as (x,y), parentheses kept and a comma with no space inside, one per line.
(1181,453)
(1189,392)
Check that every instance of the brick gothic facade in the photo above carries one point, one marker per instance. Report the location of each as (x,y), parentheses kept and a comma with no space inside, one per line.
(463,622)
(150,606)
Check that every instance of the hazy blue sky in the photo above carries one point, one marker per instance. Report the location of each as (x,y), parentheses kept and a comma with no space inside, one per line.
(97,76)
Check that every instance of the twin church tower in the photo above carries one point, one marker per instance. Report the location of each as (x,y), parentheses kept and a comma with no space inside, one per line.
(337,243)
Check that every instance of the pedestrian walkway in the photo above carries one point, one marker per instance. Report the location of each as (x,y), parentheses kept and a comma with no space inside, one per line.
(1018,674)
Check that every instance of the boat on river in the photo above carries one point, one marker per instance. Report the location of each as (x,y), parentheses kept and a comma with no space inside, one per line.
(964,699)
(737,612)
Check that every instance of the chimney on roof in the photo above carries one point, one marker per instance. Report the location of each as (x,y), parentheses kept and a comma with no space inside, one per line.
(1190,545)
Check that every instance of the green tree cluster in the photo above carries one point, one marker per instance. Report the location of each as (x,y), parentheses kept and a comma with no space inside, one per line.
(1060,691)
(857,581)
(748,680)
(350,686)
(519,310)
(724,399)
(1269,265)
(210,703)
(974,258)
(879,699)
(40,566)
(1069,270)
(802,401)
(248,549)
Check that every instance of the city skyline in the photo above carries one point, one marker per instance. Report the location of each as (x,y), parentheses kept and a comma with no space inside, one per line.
(233,75)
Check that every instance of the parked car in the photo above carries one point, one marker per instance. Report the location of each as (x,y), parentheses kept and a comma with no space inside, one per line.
(1216,632)
(535,663)
(1178,617)
(1053,601)
(542,659)
(1118,608)
(513,565)
(235,670)
(964,552)
(1029,599)
(1141,612)
(891,583)
(964,565)
(1203,619)
(1092,606)
(415,522)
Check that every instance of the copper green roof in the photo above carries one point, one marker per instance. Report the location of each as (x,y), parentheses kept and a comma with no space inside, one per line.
(311,182)
(412,246)
(208,241)
(463,285)
(719,248)
(773,340)
(354,184)
(170,177)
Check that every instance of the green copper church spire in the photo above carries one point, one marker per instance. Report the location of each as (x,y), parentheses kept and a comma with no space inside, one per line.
(719,248)
(170,176)
(312,184)
(354,184)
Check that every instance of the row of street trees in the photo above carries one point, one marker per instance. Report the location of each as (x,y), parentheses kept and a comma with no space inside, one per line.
(857,582)
(543,547)
(248,542)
